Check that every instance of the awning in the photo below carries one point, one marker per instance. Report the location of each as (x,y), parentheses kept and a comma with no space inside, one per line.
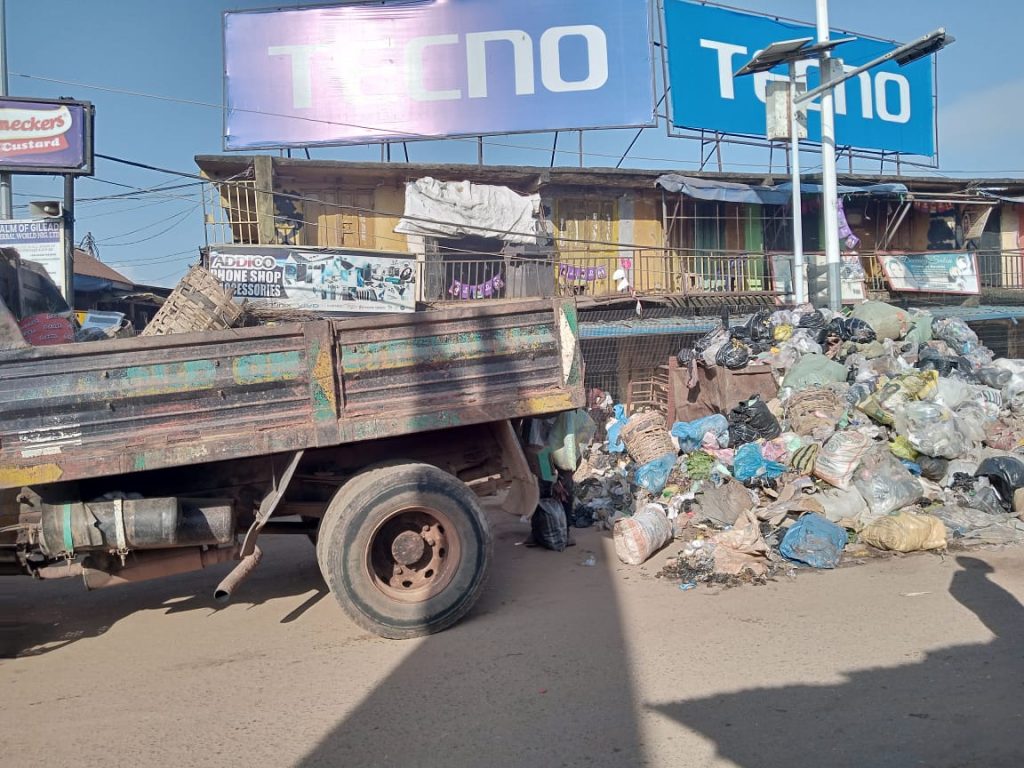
(721,191)
(733,192)
(1019,199)
(880,190)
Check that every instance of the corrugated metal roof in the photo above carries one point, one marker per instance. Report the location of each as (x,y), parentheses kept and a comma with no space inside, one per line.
(89,266)
(531,178)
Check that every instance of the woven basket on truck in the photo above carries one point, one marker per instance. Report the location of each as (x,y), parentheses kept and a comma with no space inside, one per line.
(199,303)
(646,437)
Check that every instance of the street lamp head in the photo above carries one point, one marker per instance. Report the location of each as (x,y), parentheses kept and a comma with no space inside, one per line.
(926,46)
(788,51)
(775,54)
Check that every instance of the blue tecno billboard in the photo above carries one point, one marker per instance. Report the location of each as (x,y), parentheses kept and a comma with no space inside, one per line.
(357,73)
(889,108)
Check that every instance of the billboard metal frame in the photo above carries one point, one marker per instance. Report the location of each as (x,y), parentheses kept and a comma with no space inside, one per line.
(474,137)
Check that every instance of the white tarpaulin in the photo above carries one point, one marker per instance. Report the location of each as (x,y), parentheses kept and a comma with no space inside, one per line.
(456,208)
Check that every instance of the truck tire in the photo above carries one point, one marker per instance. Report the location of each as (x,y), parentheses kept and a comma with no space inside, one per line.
(405,549)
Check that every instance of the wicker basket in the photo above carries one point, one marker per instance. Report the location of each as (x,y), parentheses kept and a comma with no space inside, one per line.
(199,303)
(646,437)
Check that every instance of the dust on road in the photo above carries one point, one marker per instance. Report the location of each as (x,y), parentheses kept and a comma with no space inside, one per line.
(910,661)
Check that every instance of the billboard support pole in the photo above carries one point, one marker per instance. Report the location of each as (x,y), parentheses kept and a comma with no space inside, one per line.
(798,213)
(830,196)
(6,208)
(69,239)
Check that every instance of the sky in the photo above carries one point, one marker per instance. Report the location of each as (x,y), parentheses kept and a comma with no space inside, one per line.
(174,49)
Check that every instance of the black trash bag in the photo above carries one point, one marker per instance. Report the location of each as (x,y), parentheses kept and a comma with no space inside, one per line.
(837,328)
(812,321)
(1005,473)
(762,483)
(997,378)
(548,526)
(741,434)
(930,360)
(584,516)
(962,482)
(751,420)
(734,355)
(760,325)
(858,331)
(705,341)
(932,468)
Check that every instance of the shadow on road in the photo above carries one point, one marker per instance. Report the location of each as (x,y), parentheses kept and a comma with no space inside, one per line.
(541,653)
(961,706)
(36,619)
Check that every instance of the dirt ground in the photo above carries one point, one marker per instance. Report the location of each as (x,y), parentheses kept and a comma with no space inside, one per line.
(912,661)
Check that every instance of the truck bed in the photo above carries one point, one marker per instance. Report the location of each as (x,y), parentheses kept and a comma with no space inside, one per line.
(89,410)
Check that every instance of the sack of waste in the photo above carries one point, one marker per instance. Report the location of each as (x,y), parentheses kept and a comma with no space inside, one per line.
(751,420)
(814,541)
(905,532)
(548,526)
(749,463)
(640,536)
(653,476)
(839,457)
(887,321)
(814,371)
(885,483)
(690,434)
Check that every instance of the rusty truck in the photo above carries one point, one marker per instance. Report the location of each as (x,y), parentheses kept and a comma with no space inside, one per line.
(382,438)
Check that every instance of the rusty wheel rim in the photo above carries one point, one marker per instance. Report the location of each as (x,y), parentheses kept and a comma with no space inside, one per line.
(412,554)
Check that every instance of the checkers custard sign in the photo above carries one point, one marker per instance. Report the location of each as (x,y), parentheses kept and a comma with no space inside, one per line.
(45,136)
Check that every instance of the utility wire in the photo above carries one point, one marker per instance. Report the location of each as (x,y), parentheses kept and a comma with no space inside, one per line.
(386,135)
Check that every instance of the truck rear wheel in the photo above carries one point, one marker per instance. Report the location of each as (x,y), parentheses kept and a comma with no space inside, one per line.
(405,549)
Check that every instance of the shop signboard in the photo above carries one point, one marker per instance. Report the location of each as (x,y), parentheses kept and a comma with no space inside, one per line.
(41,241)
(330,281)
(935,272)
(890,108)
(46,136)
(370,73)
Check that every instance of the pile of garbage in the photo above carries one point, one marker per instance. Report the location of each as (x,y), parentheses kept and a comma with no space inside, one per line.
(891,431)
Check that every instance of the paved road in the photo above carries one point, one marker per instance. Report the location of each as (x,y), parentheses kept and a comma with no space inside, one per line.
(916,661)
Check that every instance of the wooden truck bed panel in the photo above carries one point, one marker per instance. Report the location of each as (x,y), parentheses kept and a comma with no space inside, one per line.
(105,408)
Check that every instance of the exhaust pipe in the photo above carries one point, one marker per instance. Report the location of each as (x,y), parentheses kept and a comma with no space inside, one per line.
(240,573)
(144,566)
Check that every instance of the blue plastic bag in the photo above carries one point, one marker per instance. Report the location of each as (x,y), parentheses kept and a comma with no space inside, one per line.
(615,444)
(749,463)
(691,433)
(653,476)
(815,541)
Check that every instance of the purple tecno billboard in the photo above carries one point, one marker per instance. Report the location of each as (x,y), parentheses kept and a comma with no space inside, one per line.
(438,68)
(41,136)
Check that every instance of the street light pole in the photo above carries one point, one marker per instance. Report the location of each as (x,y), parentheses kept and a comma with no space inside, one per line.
(799,280)
(6,206)
(830,196)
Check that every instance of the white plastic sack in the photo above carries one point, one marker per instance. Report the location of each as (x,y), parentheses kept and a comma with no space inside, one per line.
(640,536)
(840,456)
(932,430)
(885,484)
